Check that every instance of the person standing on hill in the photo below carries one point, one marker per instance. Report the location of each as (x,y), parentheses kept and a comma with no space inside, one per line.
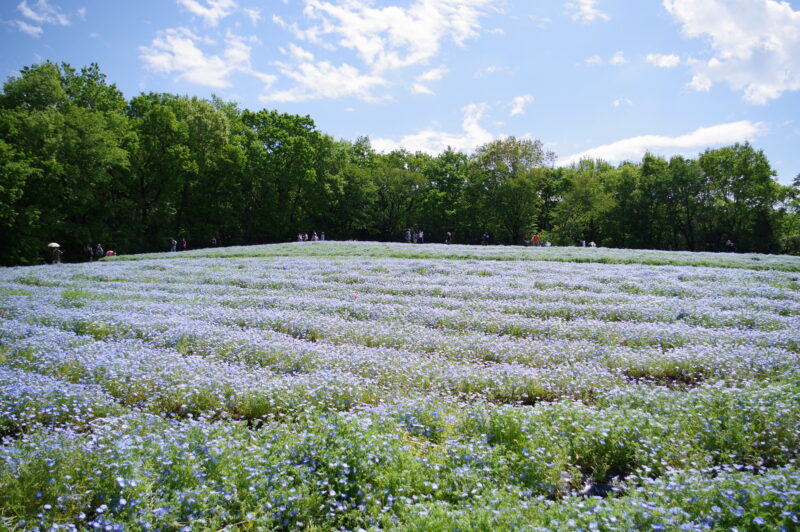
(57,255)
(87,251)
(184,244)
(99,252)
(536,240)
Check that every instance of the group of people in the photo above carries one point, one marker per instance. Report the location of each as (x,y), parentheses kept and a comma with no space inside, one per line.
(173,244)
(414,236)
(96,253)
(90,253)
(417,236)
(536,241)
(183,245)
(304,237)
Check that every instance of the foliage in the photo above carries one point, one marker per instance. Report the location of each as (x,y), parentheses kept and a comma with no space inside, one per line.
(80,164)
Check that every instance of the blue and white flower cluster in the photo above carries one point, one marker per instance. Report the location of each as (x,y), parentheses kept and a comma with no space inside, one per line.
(362,386)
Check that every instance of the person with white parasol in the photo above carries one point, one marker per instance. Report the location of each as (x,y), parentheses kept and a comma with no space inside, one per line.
(56,252)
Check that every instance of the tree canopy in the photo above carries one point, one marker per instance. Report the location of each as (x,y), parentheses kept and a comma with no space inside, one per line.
(80,164)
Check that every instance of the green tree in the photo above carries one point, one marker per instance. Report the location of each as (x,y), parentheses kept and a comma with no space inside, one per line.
(399,190)
(583,211)
(73,152)
(443,206)
(503,185)
(743,195)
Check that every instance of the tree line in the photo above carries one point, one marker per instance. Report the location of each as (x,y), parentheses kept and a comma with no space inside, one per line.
(80,164)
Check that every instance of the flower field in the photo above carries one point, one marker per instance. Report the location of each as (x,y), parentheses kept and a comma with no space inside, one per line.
(350,386)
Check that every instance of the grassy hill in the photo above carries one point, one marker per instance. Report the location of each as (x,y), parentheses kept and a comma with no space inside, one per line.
(389,386)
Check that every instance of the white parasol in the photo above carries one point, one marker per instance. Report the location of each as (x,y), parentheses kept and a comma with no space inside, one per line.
(53,245)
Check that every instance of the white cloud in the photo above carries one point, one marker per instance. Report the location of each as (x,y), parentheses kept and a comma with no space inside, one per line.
(43,13)
(30,29)
(520,103)
(418,88)
(253,14)
(585,11)
(392,37)
(279,21)
(324,80)
(619,102)
(213,12)
(176,51)
(82,13)
(703,137)
(383,38)
(617,59)
(755,45)
(39,14)
(488,71)
(435,142)
(434,74)
(663,61)
(299,54)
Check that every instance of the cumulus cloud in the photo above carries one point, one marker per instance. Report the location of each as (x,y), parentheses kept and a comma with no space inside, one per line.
(615,60)
(317,80)
(30,29)
(492,69)
(383,39)
(39,14)
(43,13)
(392,37)
(253,14)
(435,142)
(177,51)
(663,61)
(212,11)
(755,45)
(703,137)
(300,54)
(619,102)
(419,88)
(584,11)
(434,74)
(519,104)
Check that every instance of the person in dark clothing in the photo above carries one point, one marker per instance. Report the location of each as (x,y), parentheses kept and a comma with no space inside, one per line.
(99,252)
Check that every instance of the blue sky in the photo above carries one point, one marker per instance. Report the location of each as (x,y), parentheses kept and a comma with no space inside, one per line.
(602,78)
